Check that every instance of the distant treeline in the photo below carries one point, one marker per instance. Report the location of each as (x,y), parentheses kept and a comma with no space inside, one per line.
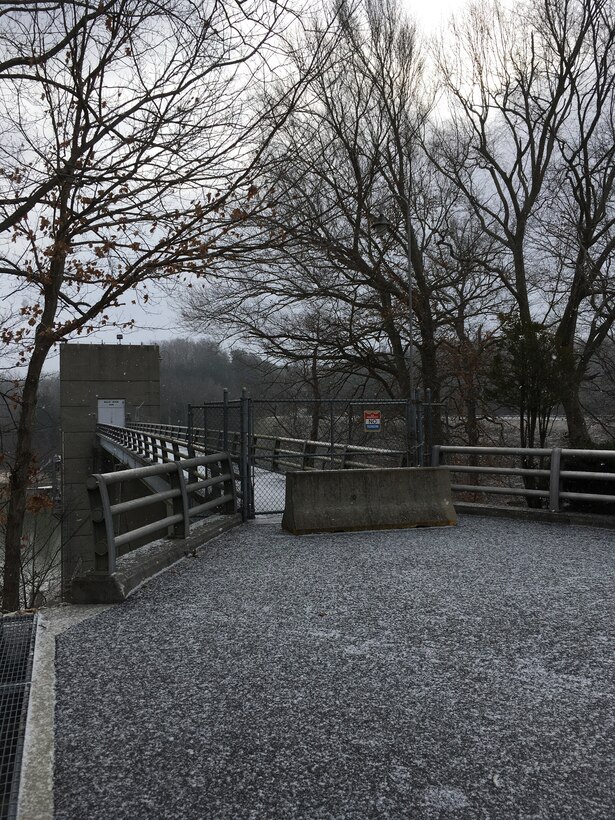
(191,372)
(195,371)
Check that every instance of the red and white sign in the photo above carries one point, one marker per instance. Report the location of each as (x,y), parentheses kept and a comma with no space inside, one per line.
(372,421)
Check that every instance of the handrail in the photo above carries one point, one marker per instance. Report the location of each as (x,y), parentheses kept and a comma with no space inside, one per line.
(555,474)
(278,453)
(183,493)
(152,441)
(302,457)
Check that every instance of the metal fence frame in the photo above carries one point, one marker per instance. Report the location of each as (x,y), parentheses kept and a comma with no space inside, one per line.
(250,450)
(419,454)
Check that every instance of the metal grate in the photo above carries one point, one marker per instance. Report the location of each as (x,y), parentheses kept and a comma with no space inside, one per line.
(17,633)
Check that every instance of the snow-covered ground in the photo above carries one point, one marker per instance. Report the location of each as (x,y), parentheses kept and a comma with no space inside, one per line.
(461,672)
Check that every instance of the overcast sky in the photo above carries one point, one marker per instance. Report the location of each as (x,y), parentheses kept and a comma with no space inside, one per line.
(430,14)
(159,322)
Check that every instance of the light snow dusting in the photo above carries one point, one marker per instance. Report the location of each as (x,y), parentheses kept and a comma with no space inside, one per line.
(463,672)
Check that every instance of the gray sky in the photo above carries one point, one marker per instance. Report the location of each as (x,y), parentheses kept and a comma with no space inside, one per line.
(159,321)
(430,14)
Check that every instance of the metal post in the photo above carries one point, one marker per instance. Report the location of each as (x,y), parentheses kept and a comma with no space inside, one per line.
(419,429)
(225,417)
(554,479)
(275,457)
(243,453)
(251,458)
(190,430)
(305,453)
(331,435)
(410,300)
(228,488)
(180,503)
(429,425)
(409,432)
(102,523)
(409,272)
(413,427)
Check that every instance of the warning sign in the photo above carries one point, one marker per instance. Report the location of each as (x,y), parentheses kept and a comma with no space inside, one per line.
(372,420)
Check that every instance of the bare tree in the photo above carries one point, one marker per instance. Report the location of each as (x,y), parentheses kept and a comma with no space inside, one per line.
(326,282)
(128,141)
(580,225)
(469,302)
(527,91)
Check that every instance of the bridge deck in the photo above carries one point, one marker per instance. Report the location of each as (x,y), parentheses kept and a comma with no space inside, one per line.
(464,672)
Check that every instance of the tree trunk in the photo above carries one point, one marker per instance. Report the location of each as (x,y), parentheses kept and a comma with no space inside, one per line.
(471,420)
(431,381)
(24,456)
(20,478)
(578,433)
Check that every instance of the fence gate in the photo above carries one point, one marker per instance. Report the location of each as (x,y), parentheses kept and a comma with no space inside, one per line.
(268,438)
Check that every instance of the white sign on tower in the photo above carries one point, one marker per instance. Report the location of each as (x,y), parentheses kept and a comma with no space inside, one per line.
(112,411)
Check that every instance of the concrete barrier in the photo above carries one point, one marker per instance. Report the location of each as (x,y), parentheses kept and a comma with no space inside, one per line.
(387,498)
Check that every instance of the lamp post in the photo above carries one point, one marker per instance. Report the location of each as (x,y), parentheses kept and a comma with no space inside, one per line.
(382,226)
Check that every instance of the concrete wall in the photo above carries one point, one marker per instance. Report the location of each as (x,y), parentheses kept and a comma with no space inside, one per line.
(89,373)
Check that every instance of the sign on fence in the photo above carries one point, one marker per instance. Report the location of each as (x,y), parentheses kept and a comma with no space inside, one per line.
(372,421)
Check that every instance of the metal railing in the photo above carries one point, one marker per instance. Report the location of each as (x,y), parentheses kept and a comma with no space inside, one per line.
(188,487)
(159,443)
(538,471)
(153,442)
(279,453)
(552,478)
(404,423)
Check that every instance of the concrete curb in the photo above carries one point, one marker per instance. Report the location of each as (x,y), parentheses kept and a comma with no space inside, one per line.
(144,563)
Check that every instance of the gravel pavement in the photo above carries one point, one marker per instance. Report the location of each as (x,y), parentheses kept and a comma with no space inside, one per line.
(463,672)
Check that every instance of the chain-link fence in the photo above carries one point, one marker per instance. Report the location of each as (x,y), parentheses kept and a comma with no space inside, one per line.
(269,438)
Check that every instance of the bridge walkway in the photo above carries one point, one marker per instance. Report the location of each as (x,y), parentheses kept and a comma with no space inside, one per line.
(456,672)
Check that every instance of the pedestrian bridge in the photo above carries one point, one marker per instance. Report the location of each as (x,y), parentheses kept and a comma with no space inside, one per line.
(545,475)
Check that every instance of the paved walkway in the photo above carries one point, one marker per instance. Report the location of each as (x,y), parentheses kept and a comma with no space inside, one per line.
(463,673)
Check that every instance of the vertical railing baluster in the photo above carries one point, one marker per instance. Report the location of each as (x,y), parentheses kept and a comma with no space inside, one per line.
(554,478)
